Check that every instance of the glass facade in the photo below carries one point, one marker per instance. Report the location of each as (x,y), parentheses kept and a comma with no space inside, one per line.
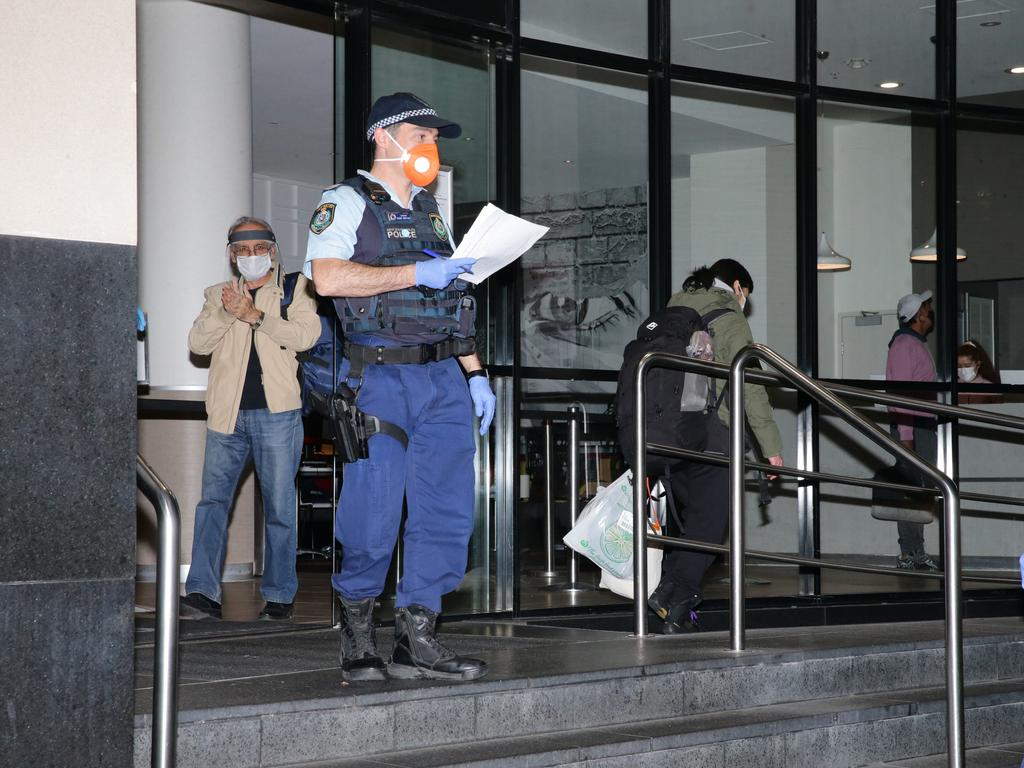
(655,137)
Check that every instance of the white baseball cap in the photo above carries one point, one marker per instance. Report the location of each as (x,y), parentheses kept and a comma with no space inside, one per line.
(909,305)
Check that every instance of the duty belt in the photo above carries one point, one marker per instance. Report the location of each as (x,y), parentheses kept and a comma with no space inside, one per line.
(360,355)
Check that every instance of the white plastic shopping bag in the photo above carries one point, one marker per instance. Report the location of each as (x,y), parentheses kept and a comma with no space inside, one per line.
(624,587)
(604,534)
(604,530)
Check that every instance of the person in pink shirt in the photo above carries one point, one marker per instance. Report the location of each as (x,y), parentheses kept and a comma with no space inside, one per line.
(910,360)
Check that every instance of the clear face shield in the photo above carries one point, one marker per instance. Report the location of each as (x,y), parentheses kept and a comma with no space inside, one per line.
(252,251)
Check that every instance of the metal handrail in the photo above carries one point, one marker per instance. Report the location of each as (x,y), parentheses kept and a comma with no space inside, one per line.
(165,654)
(790,376)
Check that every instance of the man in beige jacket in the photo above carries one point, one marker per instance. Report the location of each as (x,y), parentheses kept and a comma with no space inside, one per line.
(253,411)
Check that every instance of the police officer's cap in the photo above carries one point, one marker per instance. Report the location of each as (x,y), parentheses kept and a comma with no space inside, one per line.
(408,108)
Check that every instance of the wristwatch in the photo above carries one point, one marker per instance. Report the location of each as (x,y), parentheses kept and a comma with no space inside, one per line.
(258,323)
(477,372)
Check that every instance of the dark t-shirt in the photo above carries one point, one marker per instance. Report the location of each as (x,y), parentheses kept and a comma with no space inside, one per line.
(253,396)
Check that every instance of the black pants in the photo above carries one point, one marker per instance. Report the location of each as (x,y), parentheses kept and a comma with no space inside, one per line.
(701,495)
(911,535)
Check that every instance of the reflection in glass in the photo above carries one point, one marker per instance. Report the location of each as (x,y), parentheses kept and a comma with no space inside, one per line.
(744,37)
(876,200)
(734,196)
(990,166)
(618,26)
(990,57)
(584,148)
(456,81)
(865,43)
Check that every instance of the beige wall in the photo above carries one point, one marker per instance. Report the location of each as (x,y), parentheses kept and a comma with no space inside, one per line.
(67,137)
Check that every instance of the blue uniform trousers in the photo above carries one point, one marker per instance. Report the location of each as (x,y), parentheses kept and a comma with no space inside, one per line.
(434,475)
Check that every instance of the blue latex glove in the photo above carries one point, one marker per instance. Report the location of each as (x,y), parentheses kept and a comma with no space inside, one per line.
(483,401)
(140,320)
(437,273)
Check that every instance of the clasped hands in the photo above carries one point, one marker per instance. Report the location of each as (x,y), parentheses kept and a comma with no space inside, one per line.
(238,302)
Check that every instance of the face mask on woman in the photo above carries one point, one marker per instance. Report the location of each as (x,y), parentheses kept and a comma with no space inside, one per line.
(967,374)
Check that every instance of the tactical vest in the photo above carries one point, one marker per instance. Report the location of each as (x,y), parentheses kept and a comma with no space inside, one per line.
(392,236)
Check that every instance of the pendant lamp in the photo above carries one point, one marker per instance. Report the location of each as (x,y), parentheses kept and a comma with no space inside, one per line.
(828,259)
(930,251)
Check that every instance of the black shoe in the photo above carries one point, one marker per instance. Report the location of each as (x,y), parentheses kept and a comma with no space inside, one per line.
(358,654)
(196,605)
(660,600)
(419,654)
(277,611)
(682,617)
(925,562)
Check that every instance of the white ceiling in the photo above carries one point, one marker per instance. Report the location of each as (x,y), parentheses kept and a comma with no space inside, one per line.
(603,134)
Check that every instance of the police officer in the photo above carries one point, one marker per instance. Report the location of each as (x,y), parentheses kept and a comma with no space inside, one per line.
(380,247)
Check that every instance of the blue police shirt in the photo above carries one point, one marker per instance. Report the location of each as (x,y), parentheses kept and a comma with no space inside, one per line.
(337,240)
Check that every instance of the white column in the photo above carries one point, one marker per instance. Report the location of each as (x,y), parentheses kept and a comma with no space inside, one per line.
(195,178)
(195,166)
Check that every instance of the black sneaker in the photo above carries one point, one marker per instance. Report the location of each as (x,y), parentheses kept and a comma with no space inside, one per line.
(276,611)
(905,563)
(661,598)
(196,605)
(924,562)
(682,617)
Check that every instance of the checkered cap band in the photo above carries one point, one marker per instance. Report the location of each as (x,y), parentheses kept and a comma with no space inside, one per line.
(399,118)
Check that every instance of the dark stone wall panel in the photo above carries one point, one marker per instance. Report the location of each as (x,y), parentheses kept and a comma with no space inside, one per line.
(67,410)
(66,656)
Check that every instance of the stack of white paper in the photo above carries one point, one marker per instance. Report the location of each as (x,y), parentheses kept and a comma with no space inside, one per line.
(495,240)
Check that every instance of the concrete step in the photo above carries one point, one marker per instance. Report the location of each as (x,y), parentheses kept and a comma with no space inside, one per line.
(548,682)
(838,733)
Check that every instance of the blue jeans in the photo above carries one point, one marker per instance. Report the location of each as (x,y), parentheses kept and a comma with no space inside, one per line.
(274,442)
(434,476)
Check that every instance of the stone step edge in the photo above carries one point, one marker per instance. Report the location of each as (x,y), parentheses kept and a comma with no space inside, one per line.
(583,744)
(412,692)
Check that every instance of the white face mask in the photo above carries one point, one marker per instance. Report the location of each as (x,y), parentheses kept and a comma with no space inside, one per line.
(967,374)
(253,267)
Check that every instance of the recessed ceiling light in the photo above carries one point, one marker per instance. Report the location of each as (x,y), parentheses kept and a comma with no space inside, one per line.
(990,24)
(1015,71)
(567,162)
(889,84)
(857,63)
(467,138)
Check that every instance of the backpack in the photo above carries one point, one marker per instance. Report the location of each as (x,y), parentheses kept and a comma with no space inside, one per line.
(678,403)
(315,363)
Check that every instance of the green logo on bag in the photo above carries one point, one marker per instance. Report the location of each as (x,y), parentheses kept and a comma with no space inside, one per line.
(617,544)
(584,543)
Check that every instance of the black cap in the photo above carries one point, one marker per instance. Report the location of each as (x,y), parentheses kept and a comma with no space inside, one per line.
(407,108)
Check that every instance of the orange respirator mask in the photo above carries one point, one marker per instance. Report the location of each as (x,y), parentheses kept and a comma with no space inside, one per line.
(421,163)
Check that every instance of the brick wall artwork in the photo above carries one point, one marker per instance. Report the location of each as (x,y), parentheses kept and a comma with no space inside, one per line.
(585,283)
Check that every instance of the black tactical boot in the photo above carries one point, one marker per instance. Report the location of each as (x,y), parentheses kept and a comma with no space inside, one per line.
(682,616)
(358,654)
(419,654)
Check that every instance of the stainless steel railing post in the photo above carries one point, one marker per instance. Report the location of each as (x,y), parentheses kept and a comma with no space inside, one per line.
(165,667)
(640,501)
(955,742)
(549,499)
(737,491)
(573,584)
(574,483)
(951,523)
(548,572)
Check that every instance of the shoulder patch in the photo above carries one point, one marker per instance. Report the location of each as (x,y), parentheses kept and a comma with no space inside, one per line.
(322,218)
(438,224)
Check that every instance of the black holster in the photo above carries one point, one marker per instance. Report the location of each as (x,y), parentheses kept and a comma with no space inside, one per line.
(351,429)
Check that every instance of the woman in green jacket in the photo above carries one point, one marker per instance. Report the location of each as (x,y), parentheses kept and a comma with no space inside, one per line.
(701,490)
